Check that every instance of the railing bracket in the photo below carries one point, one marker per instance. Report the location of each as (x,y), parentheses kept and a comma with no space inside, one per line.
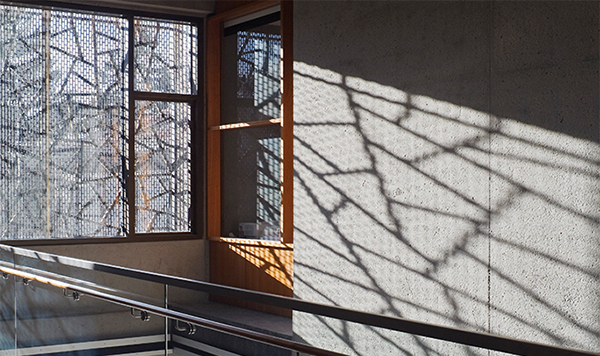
(75,294)
(188,328)
(143,315)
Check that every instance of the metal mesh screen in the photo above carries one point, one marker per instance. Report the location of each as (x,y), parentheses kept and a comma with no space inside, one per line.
(165,57)
(64,124)
(62,117)
(86,124)
(251,75)
(22,182)
(251,186)
(162,166)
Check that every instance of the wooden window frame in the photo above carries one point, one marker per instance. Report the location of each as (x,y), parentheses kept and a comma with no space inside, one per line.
(197,143)
(215,27)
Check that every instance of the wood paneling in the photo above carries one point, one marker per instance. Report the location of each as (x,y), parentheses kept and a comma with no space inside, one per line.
(260,268)
(247,8)
(226,5)
(213,110)
(287,122)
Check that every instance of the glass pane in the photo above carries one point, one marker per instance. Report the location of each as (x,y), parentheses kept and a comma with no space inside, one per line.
(7,314)
(162,166)
(51,321)
(85,141)
(251,79)
(90,275)
(197,338)
(251,182)
(205,341)
(63,118)
(22,95)
(165,56)
(7,303)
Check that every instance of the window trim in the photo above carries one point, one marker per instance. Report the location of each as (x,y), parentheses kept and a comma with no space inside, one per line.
(214,32)
(197,104)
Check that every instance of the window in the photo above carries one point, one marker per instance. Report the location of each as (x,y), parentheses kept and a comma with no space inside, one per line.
(250,124)
(89,147)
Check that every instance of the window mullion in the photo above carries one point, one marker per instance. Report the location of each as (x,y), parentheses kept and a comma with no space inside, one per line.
(46,29)
(131,126)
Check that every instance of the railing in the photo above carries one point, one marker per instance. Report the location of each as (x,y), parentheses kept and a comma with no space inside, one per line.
(146,293)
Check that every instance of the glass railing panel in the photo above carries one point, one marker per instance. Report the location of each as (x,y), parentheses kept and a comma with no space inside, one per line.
(7,257)
(90,275)
(7,314)
(201,340)
(255,317)
(187,300)
(52,320)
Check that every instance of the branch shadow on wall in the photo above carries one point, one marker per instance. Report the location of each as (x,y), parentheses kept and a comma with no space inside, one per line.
(419,208)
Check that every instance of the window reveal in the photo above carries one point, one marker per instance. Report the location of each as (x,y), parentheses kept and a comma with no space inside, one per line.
(251,156)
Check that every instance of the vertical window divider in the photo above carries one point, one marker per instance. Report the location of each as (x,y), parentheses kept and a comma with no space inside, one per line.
(287,123)
(46,30)
(198,140)
(213,150)
(131,126)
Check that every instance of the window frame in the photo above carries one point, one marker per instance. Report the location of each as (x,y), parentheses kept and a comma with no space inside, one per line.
(215,31)
(197,143)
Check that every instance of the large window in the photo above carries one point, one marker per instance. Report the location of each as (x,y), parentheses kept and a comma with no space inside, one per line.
(90,148)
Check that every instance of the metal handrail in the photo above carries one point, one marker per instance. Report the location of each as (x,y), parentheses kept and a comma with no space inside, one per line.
(171,314)
(446,333)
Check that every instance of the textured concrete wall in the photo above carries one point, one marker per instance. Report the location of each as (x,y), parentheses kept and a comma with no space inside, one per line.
(181,7)
(178,258)
(446,170)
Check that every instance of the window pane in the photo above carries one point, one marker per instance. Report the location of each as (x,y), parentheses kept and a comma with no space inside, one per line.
(162,166)
(86,122)
(22,183)
(251,182)
(251,80)
(165,57)
(62,124)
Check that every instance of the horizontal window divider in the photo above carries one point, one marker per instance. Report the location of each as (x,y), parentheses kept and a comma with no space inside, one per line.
(252,242)
(240,125)
(148,96)
(157,237)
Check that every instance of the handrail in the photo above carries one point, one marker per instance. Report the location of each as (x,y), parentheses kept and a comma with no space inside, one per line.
(171,314)
(446,333)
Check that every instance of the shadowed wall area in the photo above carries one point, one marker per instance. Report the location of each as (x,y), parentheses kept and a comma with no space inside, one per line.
(446,170)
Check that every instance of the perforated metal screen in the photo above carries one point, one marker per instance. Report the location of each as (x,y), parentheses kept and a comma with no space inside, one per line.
(64,123)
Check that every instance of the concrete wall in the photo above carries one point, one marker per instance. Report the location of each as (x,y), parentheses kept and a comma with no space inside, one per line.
(446,170)
(178,258)
(182,7)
